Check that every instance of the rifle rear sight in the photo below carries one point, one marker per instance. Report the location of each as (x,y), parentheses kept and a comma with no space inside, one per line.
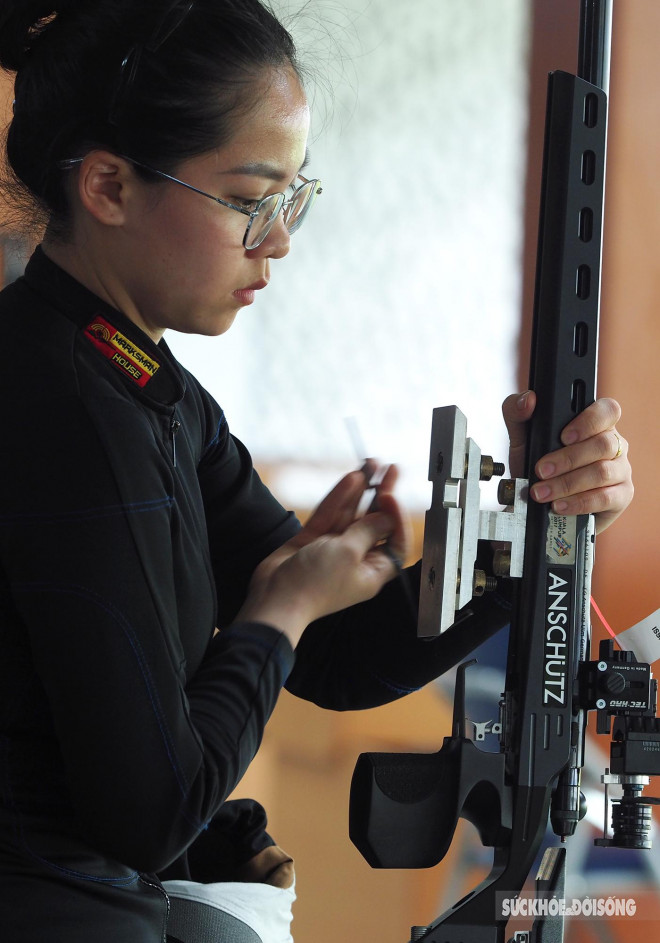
(618,687)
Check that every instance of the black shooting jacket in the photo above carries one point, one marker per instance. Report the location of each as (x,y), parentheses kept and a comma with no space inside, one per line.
(131,522)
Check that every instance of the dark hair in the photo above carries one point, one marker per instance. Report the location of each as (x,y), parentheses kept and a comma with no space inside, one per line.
(157,80)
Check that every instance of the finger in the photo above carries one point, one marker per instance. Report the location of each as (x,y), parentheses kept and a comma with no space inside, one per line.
(371,568)
(604,502)
(596,418)
(369,469)
(517,409)
(367,532)
(565,491)
(339,507)
(607,447)
(389,480)
(400,539)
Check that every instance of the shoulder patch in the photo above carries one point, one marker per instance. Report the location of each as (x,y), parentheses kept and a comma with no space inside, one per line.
(120,351)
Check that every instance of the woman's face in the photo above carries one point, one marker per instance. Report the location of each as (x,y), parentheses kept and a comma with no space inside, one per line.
(184,266)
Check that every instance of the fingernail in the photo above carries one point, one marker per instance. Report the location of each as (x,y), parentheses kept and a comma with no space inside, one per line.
(559,506)
(521,402)
(540,492)
(568,438)
(546,470)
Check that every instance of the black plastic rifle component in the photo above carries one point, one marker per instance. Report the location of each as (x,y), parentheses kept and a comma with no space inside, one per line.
(617,685)
(405,806)
(398,818)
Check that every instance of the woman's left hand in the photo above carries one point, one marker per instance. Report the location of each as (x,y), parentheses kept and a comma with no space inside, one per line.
(591,474)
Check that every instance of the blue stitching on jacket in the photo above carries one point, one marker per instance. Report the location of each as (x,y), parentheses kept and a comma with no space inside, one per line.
(222,422)
(85,593)
(394,686)
(20,829)
(272,649)
(115,882)
(109,510)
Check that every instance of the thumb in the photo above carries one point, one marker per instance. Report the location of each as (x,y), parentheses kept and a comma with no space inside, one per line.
(400,538)
(517,409)
(368,531)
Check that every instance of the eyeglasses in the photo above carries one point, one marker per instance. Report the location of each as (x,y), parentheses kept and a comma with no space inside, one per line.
(263,213)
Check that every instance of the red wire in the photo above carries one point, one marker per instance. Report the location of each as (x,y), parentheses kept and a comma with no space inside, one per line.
(604,620)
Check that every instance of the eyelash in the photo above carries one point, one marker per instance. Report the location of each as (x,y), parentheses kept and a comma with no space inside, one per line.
(252,204)
(248,204)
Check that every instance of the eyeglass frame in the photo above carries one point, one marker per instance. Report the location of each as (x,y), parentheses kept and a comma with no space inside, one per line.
(283,202)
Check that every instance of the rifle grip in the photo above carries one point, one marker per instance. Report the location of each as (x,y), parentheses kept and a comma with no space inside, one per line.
(404,807)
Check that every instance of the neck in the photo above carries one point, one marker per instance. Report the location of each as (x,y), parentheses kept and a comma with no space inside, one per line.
(82,265)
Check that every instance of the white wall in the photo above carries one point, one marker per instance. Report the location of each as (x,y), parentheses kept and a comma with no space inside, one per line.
(402,291)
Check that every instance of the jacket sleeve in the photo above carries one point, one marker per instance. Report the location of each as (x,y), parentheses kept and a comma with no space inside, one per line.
(245,521)
(357,658)
(370,654)
(149,753)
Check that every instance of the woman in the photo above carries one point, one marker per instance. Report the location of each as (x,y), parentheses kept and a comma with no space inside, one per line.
(164,143)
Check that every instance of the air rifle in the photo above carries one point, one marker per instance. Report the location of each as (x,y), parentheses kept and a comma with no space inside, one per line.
(405,807)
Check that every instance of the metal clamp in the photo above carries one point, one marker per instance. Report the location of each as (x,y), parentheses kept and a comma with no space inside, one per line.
(455,523)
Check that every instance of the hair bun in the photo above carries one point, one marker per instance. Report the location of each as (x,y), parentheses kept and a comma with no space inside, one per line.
(24,21)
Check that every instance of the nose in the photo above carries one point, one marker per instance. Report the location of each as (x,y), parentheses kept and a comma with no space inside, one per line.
(276,244)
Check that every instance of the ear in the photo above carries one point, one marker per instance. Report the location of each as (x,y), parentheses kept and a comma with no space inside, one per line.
(106,184)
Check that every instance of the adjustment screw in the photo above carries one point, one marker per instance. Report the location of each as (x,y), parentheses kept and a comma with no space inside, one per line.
(488,468)
(615,683)
(506,492)
(502,563)
(483,584)
(601,704)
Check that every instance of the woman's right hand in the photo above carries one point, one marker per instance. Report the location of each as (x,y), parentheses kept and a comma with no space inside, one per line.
(332,563)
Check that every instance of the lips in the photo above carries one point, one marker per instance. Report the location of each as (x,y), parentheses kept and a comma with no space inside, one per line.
(246,295)
(257,286)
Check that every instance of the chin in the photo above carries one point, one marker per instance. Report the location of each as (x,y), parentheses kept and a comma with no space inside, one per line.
(212,325)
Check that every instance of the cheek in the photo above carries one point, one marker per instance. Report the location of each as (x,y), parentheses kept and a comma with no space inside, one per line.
(198,248)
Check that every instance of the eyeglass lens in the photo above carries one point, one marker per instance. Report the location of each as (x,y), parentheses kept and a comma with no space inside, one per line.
(295,211)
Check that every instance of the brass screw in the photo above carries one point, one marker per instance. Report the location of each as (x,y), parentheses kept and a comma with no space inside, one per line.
(502,562)
(482,583)
(488,468)
(506,492)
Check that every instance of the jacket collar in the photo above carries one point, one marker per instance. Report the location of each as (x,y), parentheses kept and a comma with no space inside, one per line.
(147,368)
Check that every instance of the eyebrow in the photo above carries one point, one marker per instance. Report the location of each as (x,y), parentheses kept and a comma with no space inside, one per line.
(269,171)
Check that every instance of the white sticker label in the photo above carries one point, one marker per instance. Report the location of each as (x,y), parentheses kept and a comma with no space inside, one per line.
(560,539)
(643,639)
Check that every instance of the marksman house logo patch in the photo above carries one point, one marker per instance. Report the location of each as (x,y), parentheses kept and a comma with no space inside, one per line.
(120,351)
